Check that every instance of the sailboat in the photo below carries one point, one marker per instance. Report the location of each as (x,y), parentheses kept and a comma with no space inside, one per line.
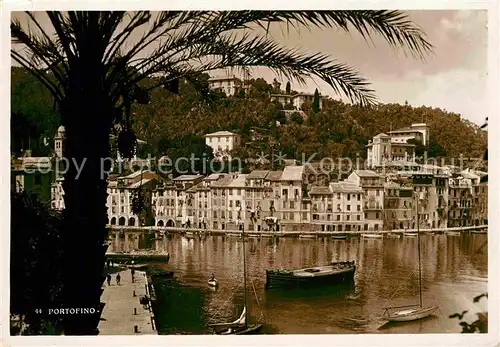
(240,326)
(411,312)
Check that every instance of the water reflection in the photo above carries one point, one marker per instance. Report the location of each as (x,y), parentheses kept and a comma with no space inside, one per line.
(454,270)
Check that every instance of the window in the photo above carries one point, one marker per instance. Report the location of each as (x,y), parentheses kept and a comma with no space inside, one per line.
(347,217)
(338,217)
(304,215)
(348,207)
(359,208)
(358,217)
(292,205)
(359,197)
(215,214)
(284,204)
(348,197)
(338,196)
(338,207)
(291,216)
(377,192)
(230,203)
(376,215)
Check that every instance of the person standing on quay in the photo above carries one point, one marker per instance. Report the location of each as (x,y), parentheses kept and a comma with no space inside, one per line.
(118,278)
(108,278)
(132,271)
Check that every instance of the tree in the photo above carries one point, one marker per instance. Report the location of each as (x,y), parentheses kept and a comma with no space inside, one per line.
(35,274)
(315,105)
(288,87)
(93,70)
(276,86)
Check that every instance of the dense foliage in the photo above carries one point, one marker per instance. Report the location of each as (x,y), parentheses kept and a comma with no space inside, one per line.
(36,254)
(174,124)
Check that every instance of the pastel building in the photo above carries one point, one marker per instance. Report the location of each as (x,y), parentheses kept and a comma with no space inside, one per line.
(222,143)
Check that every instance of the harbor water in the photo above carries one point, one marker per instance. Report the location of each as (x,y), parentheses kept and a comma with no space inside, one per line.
(454,270)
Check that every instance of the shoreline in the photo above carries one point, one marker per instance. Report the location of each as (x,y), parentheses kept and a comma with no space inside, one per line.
(480,229)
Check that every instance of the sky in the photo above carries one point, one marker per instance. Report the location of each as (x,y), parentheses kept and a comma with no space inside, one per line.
(453,78)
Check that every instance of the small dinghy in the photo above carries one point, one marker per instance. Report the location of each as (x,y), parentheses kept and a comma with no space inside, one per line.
(213,282)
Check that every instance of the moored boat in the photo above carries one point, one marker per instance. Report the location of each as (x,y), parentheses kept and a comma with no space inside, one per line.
(410,234)
(373,236)
(334,273)
(339,237)
(307,236)
(213,282)
(453,233)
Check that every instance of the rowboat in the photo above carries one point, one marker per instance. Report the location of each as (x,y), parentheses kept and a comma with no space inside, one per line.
(334,273)
(373,236)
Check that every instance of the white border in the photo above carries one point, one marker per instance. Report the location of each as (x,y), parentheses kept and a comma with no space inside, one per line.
(490,339)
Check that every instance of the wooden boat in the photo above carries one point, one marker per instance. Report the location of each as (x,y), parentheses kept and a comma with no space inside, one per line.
(240,326)
(339,237)
(213,282)
(189,235)
(334,273)
(142,256)
(411,312)
(307,236)
(452,233)
(393,236)
(410,234)
(373,236)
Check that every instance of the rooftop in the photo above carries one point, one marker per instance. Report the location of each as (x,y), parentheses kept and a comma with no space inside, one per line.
(139,184)
(320,190)
(238,182)
(274,176)
(366,173)
(221,133)
(292,173)
(345,187)
(257,174)
(187,178)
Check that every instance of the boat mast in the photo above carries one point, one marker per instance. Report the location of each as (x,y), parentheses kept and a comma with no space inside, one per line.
(244,274)
(418,250)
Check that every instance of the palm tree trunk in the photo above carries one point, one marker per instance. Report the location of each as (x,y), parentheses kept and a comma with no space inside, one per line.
(85,183)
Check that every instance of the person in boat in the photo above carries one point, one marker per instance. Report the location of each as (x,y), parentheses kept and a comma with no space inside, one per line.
(212,278)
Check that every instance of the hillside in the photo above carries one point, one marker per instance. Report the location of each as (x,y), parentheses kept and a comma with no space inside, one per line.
(338,129)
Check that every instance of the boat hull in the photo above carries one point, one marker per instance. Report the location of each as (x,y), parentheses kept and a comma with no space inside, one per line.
(287,279)
(248,330)
(411,315)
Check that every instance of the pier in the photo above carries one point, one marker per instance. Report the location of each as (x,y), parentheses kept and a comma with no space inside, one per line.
(124,313)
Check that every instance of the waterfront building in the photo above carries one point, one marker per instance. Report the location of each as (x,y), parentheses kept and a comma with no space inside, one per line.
(372,186)
(290,198)
(258,200)
(460,201)
(480,203)
(337,207)
(398,199)
(121,192)
(222,143)
(220,191)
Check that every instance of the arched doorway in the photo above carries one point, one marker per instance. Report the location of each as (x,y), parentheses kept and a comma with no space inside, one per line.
(170,223)
(121,221)
(160,223)
(113,221)
(131,221)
